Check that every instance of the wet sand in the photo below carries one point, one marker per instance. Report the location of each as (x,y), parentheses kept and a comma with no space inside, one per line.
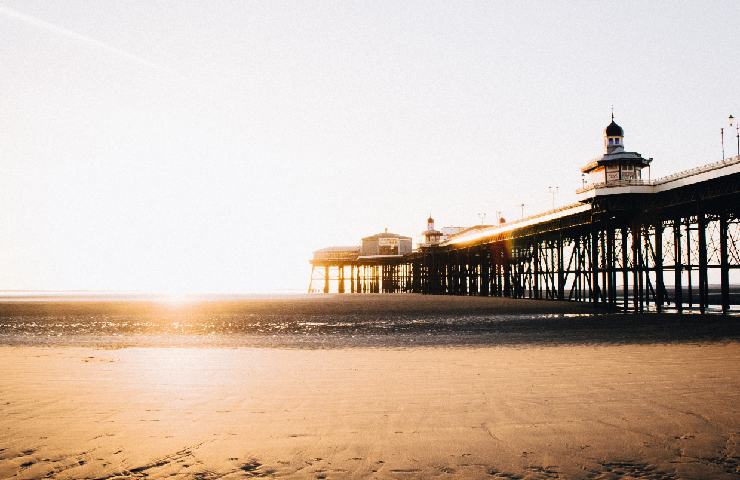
(345,304)
(339,321)
(526,409)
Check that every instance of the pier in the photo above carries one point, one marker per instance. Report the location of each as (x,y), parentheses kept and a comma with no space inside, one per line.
(628,243)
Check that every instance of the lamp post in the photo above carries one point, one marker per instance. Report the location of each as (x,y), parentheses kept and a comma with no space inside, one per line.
(522,205)
(736,124)
(553,191)
(722,136)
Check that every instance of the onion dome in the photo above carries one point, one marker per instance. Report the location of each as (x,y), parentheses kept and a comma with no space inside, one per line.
(613,130)
(430,220)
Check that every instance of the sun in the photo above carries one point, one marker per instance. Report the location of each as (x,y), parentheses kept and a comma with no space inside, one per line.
(176,297)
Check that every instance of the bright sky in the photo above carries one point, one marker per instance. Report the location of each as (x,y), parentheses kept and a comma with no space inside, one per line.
(211,146)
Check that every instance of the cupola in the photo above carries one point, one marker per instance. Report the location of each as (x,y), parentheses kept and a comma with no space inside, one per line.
(430,236)
(613,137)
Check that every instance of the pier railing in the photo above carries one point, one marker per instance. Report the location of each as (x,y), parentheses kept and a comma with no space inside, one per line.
(663,180)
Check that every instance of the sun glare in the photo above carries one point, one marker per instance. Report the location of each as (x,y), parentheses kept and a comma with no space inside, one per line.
(176,298)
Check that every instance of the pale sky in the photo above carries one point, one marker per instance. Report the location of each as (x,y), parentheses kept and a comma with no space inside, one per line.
(212,146)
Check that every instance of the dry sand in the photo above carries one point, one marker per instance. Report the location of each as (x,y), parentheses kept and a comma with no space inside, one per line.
(662,411)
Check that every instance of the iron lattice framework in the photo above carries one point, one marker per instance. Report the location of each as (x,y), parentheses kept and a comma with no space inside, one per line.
(678,249)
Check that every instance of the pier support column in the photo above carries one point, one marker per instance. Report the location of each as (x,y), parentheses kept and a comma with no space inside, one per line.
(383,278)
(611,263)
(536,267)
(561,269)
(376,269)
(689,267)
(636,293)
(326,279)
(485,271)
(659,285)
(577,280)
(603,267)
(703,280)
(310,280)
(677,269)
(340,278)
(595,292)
(724,263)
(507,272)
(625,269)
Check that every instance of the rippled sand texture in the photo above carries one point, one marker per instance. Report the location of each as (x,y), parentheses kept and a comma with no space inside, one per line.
(609,411)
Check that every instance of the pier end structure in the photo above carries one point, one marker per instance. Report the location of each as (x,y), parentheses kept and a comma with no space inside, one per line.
(374,266)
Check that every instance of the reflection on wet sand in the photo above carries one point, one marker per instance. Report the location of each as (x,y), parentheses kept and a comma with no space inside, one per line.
(346,321)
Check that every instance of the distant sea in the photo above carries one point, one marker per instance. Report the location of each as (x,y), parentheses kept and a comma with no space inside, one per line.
(88,295)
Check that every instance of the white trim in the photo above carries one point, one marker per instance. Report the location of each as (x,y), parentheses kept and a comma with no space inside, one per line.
(525,222)
(703,173)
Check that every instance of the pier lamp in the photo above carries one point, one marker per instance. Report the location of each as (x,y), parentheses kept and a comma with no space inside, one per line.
(553,191)
(736,124)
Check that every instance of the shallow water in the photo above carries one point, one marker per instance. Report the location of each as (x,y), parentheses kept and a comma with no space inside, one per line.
(332,322)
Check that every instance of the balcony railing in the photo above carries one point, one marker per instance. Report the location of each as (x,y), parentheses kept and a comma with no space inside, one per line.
(614,183)
(663,180)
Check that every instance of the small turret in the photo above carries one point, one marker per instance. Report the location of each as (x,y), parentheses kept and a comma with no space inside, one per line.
(613,138)
(615,166)
(430,236)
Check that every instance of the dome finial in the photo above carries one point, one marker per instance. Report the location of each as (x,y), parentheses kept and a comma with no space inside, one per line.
(612,113)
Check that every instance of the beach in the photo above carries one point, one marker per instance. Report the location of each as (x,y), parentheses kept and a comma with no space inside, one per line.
(503,398)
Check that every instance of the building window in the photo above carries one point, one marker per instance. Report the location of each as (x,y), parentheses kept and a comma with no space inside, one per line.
(611,141)
(616,141)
